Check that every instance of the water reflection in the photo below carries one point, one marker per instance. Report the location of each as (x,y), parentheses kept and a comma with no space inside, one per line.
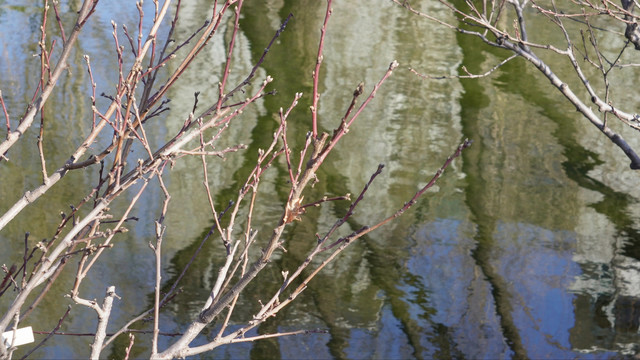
(528,249)
(580,308)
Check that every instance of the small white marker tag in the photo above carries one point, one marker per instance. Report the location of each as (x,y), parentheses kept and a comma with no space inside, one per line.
(23,336)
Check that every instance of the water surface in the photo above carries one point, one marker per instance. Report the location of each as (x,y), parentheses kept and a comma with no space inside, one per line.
(527,247)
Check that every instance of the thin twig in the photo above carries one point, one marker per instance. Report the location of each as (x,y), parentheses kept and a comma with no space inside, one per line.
(316,72)
(49,335)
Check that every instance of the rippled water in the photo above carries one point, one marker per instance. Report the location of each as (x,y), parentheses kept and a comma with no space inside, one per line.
(527,248)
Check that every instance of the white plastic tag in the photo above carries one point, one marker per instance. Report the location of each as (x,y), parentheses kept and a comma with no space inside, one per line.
(23,336)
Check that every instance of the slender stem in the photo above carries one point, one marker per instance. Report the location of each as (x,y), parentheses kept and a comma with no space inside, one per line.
(316,72)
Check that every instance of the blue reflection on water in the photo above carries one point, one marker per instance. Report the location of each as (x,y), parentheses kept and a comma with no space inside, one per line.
(537,270)
(459,296)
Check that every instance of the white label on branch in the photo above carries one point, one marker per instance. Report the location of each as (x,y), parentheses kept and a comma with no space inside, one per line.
(23,336)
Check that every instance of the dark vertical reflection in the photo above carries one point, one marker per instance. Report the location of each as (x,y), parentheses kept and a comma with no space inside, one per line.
(269,348)
(478,190)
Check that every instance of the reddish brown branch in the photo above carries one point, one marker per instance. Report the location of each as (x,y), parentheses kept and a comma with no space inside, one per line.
(59,21)
(6,114)
(316,72)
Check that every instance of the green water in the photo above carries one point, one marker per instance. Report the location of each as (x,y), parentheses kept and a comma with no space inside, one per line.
(527,248)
